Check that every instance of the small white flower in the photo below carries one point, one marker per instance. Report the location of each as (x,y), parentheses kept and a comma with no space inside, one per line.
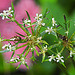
(12,39)
(53,22)
(23,61)
(45,48)
(49,30)
(8,47)
(14,59)
(9,12)
(39,22)
(39,38)
(4,14)
(52,57)
(28,22)
(71,53)
(38,16)
(59,58)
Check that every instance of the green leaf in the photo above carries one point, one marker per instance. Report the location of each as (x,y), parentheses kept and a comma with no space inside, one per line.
(12,8)
(27,52)
(12,54)
(35,29)
(20,34)
(28,15)
(45,13)
(43,41)
(33,58)
(46,60)
(34,23)
(26,28)
(25,49)
(43,57)
(63,64)
(50,47)
(19,65)
(42,33)
(36,52)
(68,25)
(26,66)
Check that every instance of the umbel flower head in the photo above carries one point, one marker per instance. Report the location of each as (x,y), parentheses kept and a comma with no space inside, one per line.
(6,13)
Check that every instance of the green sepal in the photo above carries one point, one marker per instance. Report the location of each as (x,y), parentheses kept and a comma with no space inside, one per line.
(19,65)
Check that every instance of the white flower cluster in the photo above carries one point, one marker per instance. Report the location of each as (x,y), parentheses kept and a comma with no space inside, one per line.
(39,20)
(6,13)
(45,48)
(27,22)
(49,30)
(8,47)
(23,61)
(57,58)
(38,39)
(14,59)
(53,22)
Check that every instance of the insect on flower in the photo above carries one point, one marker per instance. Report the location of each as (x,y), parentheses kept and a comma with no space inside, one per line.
(16,38)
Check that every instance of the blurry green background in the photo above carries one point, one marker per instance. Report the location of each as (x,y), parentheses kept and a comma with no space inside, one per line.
(57,8)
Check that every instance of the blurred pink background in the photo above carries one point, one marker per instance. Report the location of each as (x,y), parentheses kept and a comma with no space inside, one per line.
(8,29)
